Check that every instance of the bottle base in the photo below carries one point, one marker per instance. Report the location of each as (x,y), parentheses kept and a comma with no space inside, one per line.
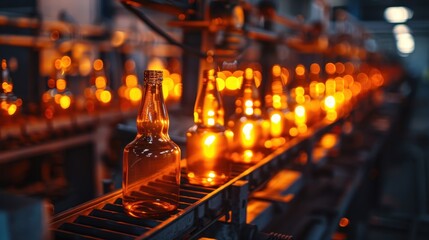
(149,209)
(207,181)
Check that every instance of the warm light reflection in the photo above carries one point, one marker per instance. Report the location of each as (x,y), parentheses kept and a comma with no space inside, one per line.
(248,135)
(11,109)
(300,70)
(328,141)
(315,68)
(330,68)
(64,101)
(276,124)
(209,148)
(61,84)
(330,103)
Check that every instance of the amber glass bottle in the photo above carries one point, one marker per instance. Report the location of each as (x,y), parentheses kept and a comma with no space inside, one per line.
(151,156)
(246,125)
(206,140)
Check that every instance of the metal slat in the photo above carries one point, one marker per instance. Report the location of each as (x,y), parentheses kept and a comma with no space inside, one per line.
(122,217)
(95,232)
(110,224)
(64,235)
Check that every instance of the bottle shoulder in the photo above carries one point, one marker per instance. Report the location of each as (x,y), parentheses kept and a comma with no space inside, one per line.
(155,141)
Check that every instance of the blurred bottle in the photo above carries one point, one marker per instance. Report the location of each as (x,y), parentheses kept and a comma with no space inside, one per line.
(245,128)
(151,156)
(9,103)
(206,140)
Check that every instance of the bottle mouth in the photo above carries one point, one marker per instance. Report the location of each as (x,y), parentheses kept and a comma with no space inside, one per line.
(153,75)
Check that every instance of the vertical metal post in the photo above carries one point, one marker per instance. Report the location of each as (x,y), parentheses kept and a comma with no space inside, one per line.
(240,194)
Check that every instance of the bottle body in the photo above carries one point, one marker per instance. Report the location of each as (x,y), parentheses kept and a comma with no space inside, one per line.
(151,162)
(206,163)
(146,160)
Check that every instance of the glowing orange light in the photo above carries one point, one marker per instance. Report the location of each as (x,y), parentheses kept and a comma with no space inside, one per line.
(135,94)
(58,64)
(340,68)
(276,126)
(328,141)
(7,87)
(293,131)
(165,91)
(131,80)
(300,115)
(209,147)
(276,70)
(168,83)
(339,97)
(100,82)
(220,84)
(300,70)
(191,175)
(65,62)
(330,68)
(11,109)
(98,64)
(105,96)
(315,68)
(248,135)
(61,84)
(320,88)
(277,101)
(299,91)
(331,115)
(232,83)
(247,156)
(330,86)
(248,107)
(64,102)
(330,102)
(344,222)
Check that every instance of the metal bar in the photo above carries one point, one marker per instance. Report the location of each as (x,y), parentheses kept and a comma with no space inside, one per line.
(45,147)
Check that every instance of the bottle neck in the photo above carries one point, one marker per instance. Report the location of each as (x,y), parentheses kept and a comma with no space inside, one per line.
(208,111)
(250,98)
(153,117)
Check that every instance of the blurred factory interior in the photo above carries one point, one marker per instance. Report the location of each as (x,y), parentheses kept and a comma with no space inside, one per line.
(72,83)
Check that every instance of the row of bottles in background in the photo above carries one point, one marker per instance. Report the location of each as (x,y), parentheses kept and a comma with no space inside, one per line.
(9,103)
(250,133)
(58,99)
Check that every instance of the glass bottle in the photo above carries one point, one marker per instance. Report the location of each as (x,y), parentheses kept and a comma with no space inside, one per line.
(277,107)
(246,125)
(151,156)
(206,141)
(9,103)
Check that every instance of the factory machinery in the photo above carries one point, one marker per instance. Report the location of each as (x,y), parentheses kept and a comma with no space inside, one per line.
(320,182)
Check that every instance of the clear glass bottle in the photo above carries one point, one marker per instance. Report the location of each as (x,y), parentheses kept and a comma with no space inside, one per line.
(206,141)
(151,156)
